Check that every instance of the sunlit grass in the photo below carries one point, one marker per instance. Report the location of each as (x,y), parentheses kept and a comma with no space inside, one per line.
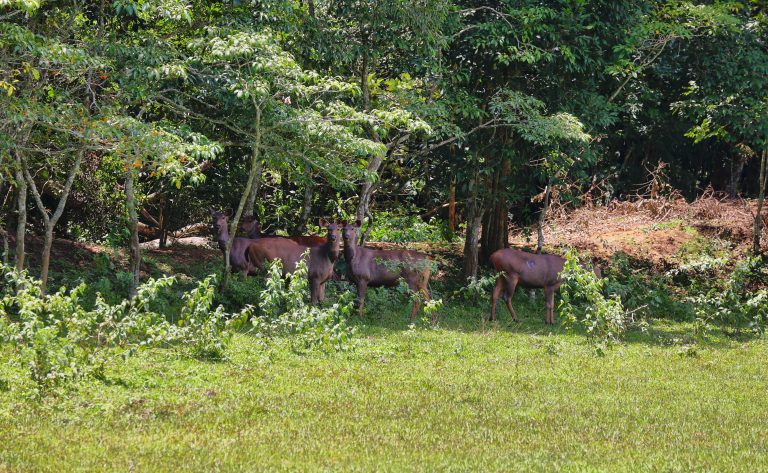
(464,396)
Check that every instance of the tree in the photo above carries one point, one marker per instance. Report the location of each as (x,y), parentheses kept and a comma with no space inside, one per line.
(383,45)
(727,92)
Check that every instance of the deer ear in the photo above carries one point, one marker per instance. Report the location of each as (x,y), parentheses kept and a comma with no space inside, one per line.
(358,223)
(228,212)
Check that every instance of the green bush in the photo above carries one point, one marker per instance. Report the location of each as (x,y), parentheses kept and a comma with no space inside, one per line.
(284,311)
(732,300)
(640,290)
(398,228)
(582,302)
(58,340)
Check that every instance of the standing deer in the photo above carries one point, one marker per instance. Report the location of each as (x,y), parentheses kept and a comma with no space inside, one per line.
(377,268)
(253,230)
(237,259)
(319,264)
(533,271)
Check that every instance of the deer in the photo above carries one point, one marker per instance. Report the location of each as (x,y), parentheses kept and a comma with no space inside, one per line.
(253,230)
(319,264)
(529,270)
(237,260)
(368,267)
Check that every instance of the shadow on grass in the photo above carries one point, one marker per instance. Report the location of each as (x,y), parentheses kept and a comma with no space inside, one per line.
(390,312)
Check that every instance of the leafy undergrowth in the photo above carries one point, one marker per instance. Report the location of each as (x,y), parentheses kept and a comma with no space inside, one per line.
(464,396)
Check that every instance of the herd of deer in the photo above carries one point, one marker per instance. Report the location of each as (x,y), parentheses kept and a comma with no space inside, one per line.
(367,267)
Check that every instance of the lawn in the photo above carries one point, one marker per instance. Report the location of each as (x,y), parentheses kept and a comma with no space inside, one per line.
(464,396)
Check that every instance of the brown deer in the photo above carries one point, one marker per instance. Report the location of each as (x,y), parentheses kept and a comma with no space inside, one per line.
(253,230)
(319,264)
(533,271)
(237,259)
(383,268)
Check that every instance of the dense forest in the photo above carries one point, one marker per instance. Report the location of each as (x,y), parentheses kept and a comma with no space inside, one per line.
(126,121)
(614,153)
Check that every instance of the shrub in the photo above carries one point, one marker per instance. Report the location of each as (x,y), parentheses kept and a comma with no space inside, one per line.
(731,300)
(397,228)
(284,311)
(583,303)
(58,340)
(643,292)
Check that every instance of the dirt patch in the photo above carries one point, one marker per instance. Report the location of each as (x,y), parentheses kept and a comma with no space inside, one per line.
(651,230)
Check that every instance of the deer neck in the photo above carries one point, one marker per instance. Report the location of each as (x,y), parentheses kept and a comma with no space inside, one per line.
(331,250)
(223,237)
(350,250)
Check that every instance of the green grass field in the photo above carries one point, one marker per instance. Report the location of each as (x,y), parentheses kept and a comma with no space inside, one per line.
(462,397)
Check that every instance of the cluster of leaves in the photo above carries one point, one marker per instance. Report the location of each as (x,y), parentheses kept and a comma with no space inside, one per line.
(58,340)
(284,311)
(730,300)
(394,227)
(643,292)
(583,302)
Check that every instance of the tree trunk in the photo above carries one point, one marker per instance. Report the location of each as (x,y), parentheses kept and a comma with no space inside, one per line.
(250,205)
(368,186)
(51,221)
(542,217)
(306,206)
(452,207)
(3,224)
(133,226)
(474,221)
(737,169)
(495,234)
(6,249)
(163,227)
(760,199)
(21,206)
(253,176)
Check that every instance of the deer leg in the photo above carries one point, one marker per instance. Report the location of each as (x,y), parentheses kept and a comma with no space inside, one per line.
(362,288)
(314,290)
(428,296)
(511,286)
(549,291)
(321,295)
(418,293)
(495,296)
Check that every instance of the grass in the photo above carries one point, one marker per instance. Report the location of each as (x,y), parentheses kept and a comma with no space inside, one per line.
(465,396)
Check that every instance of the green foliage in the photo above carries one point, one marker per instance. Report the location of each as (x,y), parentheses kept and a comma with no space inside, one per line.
(285,312)
(58,340)
(582,302)
(731,300)
(399,228)
(642,292)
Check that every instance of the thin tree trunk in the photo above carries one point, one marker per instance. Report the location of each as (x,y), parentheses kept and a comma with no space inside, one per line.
(51,221)
(21,206)
(472,239)
(163,227)
(737,168)
(495,234)
(133,225)
(254,174)
(760,199)
(368,186)
(3,231)
(6,249)
(306,206)
(250,205)
(542,217)
(452,206)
